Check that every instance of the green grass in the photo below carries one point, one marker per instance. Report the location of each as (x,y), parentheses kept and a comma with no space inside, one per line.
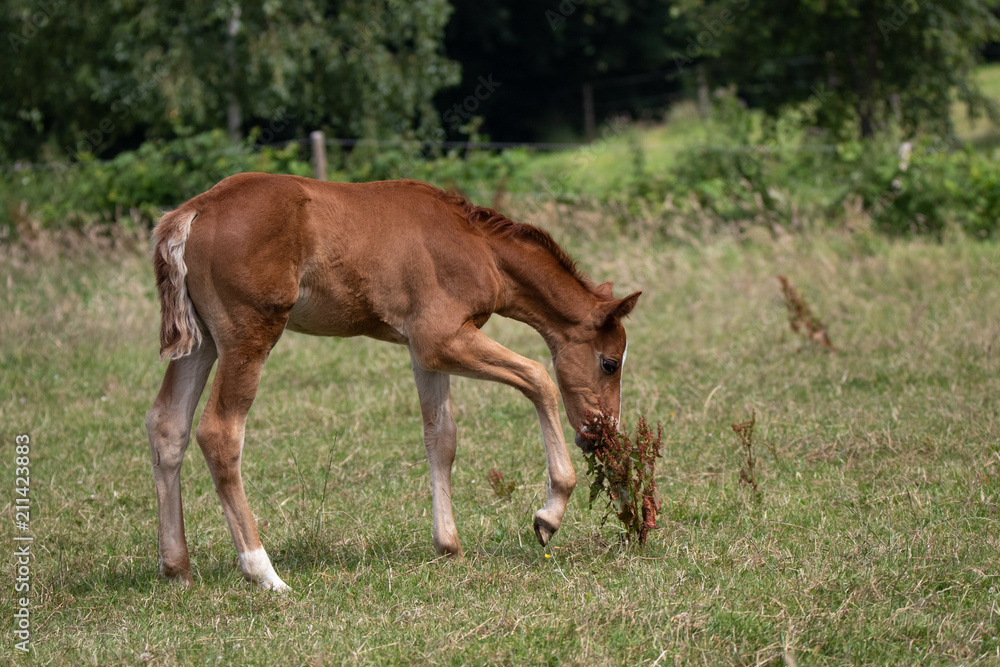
(609,162)
(874,537)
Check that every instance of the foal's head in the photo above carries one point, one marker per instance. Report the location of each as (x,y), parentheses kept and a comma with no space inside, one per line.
(589,363)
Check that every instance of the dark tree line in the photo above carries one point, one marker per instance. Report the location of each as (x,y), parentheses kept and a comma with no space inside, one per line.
(94,78)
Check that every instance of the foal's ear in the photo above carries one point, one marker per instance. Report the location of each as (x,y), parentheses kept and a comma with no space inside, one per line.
(615,310)
(626,305)
(604,291)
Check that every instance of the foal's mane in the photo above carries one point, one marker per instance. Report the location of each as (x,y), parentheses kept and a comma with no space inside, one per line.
(497,224)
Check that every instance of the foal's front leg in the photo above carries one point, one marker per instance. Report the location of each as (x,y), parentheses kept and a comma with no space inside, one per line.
(440,441)
(471,353)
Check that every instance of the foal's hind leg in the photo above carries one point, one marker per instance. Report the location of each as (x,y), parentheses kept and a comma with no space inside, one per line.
(168,424)
(220,435)
(440,441)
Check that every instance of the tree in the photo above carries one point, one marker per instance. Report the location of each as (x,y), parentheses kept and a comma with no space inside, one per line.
(539,55)
(852,63)
(102,76)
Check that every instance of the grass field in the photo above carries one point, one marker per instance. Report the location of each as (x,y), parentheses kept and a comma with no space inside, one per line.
(874,536)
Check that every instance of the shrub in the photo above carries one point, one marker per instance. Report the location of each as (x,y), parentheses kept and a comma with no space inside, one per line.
(932,189)
(136,185)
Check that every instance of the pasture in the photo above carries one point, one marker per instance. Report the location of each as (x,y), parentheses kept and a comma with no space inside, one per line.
(874,536)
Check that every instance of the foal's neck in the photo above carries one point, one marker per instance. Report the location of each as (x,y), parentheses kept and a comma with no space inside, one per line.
(542,293)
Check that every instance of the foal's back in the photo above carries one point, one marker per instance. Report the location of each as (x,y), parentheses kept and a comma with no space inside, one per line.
(381,259)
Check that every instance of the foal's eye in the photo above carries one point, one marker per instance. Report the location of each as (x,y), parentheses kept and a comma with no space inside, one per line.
(609,365)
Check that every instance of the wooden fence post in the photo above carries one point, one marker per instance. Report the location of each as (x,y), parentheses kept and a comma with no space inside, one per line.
(589,123)
(318,154)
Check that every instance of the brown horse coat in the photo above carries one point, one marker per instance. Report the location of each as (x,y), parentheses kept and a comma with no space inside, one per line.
(399,261)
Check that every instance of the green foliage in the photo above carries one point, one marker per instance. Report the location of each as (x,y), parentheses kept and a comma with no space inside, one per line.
(476,170)
(768,173)
(851,64)
(748,170)
(468,168)
(101,77)
(936,188)
(932,190)
(135,186)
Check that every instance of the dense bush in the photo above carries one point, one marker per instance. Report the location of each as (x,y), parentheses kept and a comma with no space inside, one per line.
(749,176)
(135,186)
(934,189)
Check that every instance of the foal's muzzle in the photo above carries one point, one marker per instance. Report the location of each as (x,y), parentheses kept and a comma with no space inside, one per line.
(583,439)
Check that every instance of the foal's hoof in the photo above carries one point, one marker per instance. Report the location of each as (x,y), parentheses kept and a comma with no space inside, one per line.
(269,581)
(276,585)
(451,551)
(182,578)
(544,530)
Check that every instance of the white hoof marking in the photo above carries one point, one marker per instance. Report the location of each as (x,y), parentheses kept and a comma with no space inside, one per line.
(257,567)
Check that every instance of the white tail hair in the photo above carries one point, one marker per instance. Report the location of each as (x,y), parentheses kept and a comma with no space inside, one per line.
(180,332)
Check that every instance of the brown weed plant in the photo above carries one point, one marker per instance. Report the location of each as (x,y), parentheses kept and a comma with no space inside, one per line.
(624,470)
(801,318)
(500,486)
(748,469)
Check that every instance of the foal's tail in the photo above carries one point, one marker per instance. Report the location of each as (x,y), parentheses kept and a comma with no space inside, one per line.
(179,330)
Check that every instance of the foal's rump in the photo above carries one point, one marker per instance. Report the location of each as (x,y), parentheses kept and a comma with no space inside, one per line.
(239,245)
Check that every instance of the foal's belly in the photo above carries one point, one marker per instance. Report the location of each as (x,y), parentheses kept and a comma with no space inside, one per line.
(320,313)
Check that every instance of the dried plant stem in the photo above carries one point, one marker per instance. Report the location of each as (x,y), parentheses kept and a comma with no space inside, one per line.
(625,471)
(500,486)
(801,318)
(748,470)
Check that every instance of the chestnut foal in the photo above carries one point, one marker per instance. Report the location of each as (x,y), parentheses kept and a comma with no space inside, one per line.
(399,261)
